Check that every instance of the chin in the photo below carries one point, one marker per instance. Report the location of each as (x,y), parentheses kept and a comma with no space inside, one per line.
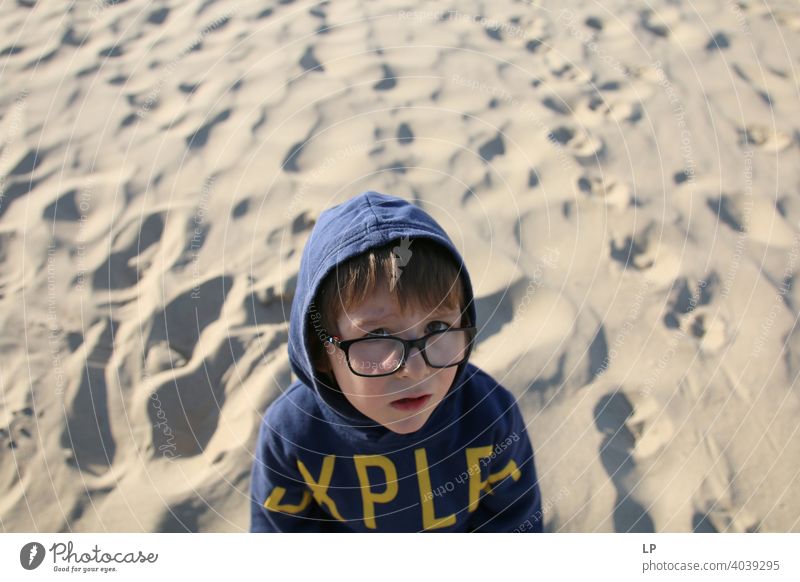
(409,425)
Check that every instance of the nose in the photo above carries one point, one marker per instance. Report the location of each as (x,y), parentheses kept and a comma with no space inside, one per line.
(415,365)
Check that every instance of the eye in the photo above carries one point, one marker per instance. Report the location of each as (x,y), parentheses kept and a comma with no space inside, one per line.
(379,331)
(436,324)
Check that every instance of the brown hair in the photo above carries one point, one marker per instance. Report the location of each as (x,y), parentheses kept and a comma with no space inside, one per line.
(429,279)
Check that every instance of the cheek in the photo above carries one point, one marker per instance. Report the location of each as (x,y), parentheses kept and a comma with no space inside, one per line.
(353,386)
(368,388)
(366,392)
(446,377)
(337,361)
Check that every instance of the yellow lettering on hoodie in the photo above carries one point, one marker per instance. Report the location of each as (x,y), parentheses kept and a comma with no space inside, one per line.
(474,456)
(476,485)
(273,502)
(509,470)
(368,497)
(319,488)
(429,519)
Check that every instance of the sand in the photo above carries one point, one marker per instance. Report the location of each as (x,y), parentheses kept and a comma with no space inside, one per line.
(621,179)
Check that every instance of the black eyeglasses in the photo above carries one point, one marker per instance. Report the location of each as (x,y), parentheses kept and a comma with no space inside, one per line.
(383,355)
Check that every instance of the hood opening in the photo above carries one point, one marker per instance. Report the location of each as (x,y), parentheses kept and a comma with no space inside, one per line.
(342,232)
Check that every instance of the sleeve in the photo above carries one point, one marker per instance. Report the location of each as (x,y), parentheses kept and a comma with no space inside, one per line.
(511,499)
(280,501)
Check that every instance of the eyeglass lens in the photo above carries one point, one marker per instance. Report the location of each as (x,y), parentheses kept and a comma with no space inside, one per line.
(384,355)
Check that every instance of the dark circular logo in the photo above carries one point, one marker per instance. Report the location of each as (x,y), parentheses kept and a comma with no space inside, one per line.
(31,555)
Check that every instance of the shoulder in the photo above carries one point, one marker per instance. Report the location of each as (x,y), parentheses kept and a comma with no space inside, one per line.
(291,415)
(485,398)
(484,391)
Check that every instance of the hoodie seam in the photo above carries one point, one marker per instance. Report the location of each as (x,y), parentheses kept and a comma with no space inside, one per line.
(380,228)
(374,224)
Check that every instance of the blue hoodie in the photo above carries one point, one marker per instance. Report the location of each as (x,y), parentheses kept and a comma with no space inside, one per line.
(321,465)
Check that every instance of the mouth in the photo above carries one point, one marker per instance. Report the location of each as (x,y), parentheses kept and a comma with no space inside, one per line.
(411,404)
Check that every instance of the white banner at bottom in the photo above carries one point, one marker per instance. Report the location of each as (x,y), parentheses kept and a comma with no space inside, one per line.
(395,557)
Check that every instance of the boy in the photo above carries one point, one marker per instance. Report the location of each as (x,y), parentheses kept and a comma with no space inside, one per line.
(389,427)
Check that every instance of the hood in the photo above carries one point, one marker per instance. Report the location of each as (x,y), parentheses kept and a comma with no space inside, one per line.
(368,220)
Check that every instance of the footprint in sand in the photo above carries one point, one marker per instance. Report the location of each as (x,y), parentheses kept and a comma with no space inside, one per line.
(568,72)
(765,138)
(281,292)
(691,312)
(611,192)
(639,427)
(158,16)
(584,146)
(719,41)
(388,81)
(624,426)
(654,252)
(199,138)
(689,296)
(563,70)
(18,434)
(723,518)
(300,226)
(719,511)
(711,330)
(598,110)
(309,61)
(661,22)
(650,427)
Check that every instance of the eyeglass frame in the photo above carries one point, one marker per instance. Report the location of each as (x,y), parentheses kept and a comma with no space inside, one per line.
(418,343)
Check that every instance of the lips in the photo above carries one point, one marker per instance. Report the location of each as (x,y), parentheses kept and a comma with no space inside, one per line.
(411,404)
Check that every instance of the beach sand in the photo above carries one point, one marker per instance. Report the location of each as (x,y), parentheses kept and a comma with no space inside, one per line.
(621,179)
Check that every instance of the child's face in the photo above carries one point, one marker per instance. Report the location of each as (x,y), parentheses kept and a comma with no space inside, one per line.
(376,397)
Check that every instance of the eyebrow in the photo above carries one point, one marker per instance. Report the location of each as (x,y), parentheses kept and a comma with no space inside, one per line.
(363,323)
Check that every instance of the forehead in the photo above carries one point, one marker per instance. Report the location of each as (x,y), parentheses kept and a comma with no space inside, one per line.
(382,307)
